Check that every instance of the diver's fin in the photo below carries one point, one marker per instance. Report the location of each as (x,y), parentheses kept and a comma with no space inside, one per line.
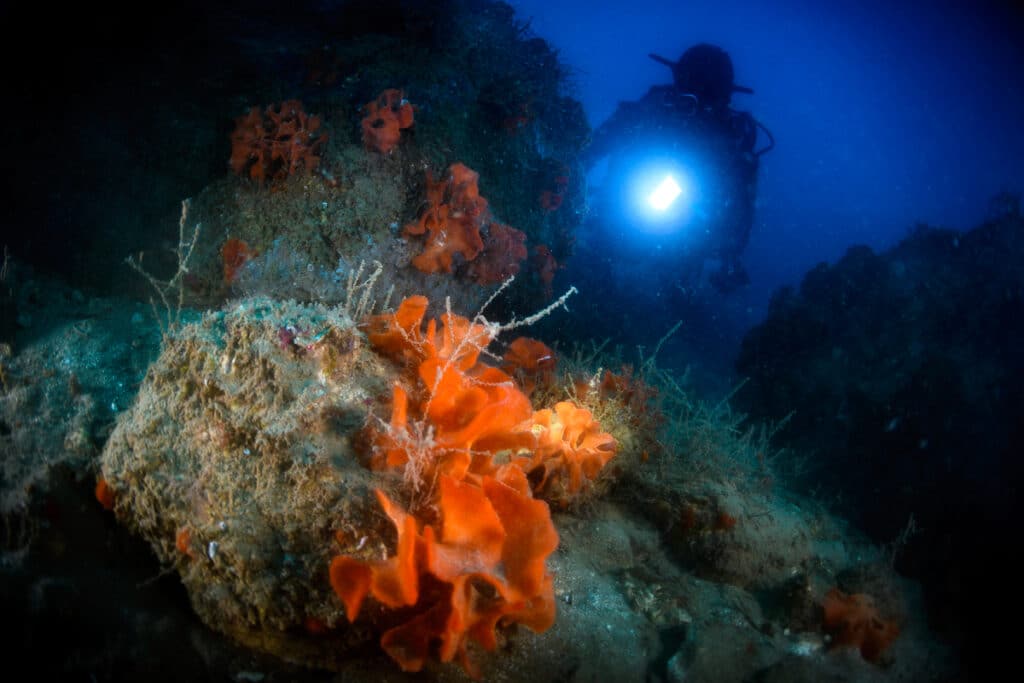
(658,58)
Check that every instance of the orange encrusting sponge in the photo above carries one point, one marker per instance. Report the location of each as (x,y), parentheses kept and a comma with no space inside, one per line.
(386,118)
(854,621)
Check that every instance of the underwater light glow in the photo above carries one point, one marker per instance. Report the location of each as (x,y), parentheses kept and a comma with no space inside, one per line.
(666,193)
(657,192)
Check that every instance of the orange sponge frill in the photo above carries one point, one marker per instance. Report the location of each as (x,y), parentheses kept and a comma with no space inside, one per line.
(478,412)
(571,450)
(504,250)
(466,437)
(392,581)
(386,118)
(489,555)
(531,362)
(397,335)
(854,621)
(454,214)
(276,143)
(473,411)
(471,419)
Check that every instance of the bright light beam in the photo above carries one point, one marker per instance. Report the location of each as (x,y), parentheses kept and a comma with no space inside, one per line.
(666,193)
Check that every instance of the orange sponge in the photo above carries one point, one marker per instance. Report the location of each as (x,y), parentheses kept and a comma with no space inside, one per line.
(489,558)
(454,214)
(854,621)
(571,450)
(481,556)
(531,362)
(386,118)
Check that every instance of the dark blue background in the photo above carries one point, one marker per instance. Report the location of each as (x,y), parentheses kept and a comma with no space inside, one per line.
(885,114)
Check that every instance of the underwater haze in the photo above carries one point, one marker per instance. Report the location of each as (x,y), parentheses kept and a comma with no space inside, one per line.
(409,340)
(885,114)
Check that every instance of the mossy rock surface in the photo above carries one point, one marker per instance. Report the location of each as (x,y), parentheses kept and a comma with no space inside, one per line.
(237,465)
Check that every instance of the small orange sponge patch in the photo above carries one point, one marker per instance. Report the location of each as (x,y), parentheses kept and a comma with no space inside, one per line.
(854,621)
(386,118)
(104,494)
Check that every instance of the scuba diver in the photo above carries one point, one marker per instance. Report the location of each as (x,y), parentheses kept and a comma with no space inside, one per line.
(687,136)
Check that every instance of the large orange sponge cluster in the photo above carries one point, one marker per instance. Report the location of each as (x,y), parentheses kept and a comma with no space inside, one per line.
(474,556)
(473,411)
(476,412)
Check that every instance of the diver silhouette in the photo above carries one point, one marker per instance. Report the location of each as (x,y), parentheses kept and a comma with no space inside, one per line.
(691,126)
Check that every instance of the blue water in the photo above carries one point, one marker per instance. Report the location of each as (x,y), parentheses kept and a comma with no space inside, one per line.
(886,114)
